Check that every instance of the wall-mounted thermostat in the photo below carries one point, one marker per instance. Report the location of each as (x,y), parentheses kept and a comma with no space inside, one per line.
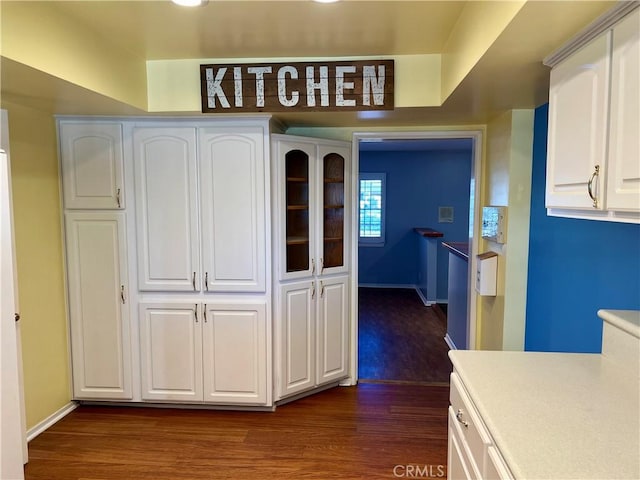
(494,224)
(487,274)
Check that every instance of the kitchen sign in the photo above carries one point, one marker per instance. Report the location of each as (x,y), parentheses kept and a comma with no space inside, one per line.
(303,87)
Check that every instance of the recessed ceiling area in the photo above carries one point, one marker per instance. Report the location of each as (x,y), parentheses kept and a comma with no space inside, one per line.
(90,57)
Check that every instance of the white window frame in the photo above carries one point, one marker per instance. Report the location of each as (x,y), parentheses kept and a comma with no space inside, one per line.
(374,241)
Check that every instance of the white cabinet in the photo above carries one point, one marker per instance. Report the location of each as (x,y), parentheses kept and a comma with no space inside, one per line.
(623,178)
(170,352)
(98,308)
(311,257)
(233,204)
(311,205)
(472,453)
(235,353)
(593,169)
(212,353)
(313,334)
(167,208)
(91,159)
(201,207)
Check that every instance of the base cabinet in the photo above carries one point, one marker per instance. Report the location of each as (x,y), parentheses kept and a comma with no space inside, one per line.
(313,334)
(98,305)
(472,453)
(211,353)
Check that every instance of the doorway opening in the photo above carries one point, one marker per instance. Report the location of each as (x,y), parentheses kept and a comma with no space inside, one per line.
(431,180)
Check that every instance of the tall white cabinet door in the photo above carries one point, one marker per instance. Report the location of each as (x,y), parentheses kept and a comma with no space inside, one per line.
(99,316)
(623,176)
(166,207)
(297,337)
(92,165)
(234,353)
(333,329)
(171,352)
(232,185)
(578,128)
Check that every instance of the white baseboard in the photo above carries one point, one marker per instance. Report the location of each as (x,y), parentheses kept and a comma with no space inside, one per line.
(55,417)
(449,342)
(425,302)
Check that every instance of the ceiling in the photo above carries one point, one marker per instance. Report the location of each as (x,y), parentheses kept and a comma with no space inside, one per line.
(509,75)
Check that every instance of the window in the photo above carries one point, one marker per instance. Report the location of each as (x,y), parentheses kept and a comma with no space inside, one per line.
(372,200)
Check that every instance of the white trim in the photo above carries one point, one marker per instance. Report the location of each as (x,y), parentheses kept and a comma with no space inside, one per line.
(51,420)
(449,342)
(425,302)
(591,31)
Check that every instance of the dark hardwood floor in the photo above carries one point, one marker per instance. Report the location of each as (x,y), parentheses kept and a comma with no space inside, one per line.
(362,432)
(399,339)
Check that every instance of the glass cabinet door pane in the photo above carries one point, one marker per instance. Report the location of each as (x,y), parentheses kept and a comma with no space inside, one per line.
(297,203)
(333,210)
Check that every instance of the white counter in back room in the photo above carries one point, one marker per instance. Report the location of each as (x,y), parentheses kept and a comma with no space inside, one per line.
(561,415)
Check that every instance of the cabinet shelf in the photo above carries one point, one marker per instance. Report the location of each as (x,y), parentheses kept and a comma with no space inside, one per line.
(333,206)
(297,207)
(333,180)
(297,240)
(333,239)
(297,179)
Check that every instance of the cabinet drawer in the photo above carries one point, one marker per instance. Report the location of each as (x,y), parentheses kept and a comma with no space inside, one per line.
(471,427)
(460,464)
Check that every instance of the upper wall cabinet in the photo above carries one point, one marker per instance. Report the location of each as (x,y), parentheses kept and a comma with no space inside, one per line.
(201,208)
(593,157)
(312,206)
(92,165)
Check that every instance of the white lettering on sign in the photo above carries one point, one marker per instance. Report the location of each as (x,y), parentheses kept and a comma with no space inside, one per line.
(341,85)
(259,73)
(374,82)
(322,85)
(214,88)
(280,86)
(237,84)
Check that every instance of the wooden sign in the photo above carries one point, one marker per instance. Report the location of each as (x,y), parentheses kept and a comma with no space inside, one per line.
(312,86)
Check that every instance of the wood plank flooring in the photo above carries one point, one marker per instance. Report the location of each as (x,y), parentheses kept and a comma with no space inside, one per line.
(399,339)
(361,432)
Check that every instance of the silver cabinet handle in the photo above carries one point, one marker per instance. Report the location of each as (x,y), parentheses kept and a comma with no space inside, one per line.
(206,281)
(313,290)
(122,299)
(118,198)
(195,312)
(204,313)
(321,289)
(16,317)
(321,265)
(193,281)
(596,172)
(313,266)
(459,414)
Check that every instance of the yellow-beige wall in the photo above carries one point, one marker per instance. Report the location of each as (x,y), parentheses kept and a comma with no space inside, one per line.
(39,258)
(507,174)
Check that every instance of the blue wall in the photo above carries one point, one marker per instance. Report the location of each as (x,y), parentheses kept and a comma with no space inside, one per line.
(575,268)
(417,184)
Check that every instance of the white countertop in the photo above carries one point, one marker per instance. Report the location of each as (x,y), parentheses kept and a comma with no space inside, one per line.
(557,415)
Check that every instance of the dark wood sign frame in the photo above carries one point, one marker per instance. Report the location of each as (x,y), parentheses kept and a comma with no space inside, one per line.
(302,87)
